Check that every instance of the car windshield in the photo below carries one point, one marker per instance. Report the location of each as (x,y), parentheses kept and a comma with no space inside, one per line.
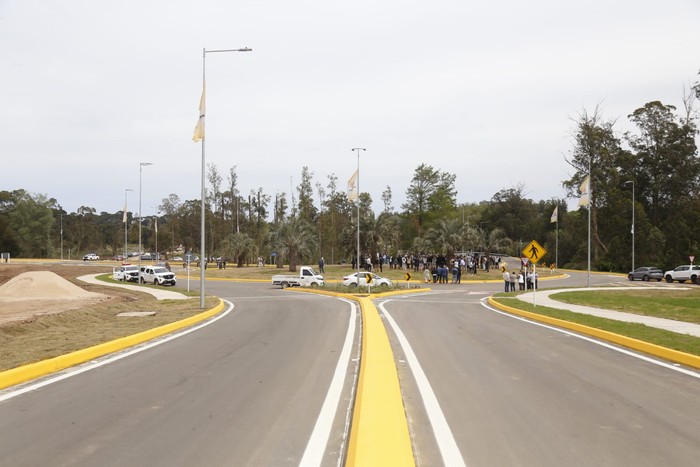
(159,270)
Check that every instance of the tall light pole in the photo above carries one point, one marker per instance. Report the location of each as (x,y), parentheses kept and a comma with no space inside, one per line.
(358,210)
(199,136)
(126,224)
(141,166)
(633,203)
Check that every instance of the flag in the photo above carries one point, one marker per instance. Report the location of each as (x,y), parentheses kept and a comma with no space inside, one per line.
(555,215)
(585,190)
(352,187)
(124,216)
(199,129)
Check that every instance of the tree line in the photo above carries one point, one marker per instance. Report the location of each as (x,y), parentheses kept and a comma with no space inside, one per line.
(659,161)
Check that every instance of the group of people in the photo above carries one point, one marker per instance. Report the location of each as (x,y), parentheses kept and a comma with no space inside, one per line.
(526,280)
(468,264)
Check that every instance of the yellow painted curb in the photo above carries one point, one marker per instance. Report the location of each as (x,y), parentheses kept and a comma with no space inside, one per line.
(35,370)
(379,434)
(635,344)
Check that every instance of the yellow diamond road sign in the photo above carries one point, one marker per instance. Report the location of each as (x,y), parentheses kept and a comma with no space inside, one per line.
(534,251)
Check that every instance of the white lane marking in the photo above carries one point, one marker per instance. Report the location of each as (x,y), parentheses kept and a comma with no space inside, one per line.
(443,435)
(69,373)
(316,447)
(669,366)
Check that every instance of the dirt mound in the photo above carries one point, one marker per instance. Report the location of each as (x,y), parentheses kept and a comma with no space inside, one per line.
(37,285)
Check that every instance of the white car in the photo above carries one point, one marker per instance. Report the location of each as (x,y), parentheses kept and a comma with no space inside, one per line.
(127,273)
(684,273)
(91,257)
(375,280)
(157,275)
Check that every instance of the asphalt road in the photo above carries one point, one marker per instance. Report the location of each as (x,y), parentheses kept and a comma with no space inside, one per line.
(517,393)
(248,390)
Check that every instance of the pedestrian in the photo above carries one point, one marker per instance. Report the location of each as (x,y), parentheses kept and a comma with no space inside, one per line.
(506,279)
(521,280)
(321,263)
(426,275)
(512,281)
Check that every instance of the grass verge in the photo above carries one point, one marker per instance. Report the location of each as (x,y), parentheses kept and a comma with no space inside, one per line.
(668,339)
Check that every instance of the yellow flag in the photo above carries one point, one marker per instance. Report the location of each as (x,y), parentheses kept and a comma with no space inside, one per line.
(352,187)
(199,129)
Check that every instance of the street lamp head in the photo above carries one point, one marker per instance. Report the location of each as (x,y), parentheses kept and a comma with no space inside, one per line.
(629,181)
(145,163)
(245,49)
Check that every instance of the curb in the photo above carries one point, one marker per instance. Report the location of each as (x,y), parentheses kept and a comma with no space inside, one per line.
(629,342)
(379,433)
(31,371)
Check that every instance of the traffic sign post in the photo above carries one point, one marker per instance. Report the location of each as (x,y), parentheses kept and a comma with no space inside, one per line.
(534,252)
(408,278)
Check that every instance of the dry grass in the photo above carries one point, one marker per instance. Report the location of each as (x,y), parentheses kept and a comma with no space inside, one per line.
(40,337)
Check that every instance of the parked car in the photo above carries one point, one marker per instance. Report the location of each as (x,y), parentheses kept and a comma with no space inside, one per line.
(91,257)
(157,275)
(127,273)
(646,273)
(375,281)
(683,273)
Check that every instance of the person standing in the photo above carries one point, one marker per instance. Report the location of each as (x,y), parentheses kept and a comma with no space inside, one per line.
(521,280)
(512,281)
(321,264)
(506,279)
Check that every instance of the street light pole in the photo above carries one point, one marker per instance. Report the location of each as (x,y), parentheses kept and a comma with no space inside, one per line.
(201,137)
(633,203)
(126,224)
(358,210)
(141,165)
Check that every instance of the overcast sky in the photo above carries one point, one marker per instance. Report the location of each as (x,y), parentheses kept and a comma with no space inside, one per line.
(485,90)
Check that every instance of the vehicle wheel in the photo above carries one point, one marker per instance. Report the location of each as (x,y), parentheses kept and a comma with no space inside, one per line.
(383,286)
(630,277)
(284,285)
(353,285)
(645,278)
(669,279)
(143,281)
(694,279)
(314,285)
(155,281)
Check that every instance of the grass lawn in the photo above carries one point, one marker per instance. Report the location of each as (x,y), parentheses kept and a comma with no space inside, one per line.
(681,305)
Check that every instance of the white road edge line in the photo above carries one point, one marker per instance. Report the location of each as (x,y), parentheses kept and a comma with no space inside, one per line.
(69,373)
(316,447)
(669,366)
(443,435)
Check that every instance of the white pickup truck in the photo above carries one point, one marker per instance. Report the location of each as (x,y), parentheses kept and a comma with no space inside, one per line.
(306,277)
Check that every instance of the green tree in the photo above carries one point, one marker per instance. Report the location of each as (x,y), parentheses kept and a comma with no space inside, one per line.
(430,196)
(239,246)
(31,221)
(447,237)
(295,239)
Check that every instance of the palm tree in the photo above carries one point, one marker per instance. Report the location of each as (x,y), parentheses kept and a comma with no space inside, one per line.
(447,237)
(238,246)
(488,242)
(296,239)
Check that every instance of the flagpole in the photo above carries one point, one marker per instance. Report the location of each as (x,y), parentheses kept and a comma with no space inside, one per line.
(590,204)
(202,244)
(358,211)
(556,249)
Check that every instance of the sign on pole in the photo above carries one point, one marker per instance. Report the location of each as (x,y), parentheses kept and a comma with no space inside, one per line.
(534,251)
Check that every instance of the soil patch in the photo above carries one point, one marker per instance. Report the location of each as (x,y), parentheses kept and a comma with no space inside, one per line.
(29,291)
